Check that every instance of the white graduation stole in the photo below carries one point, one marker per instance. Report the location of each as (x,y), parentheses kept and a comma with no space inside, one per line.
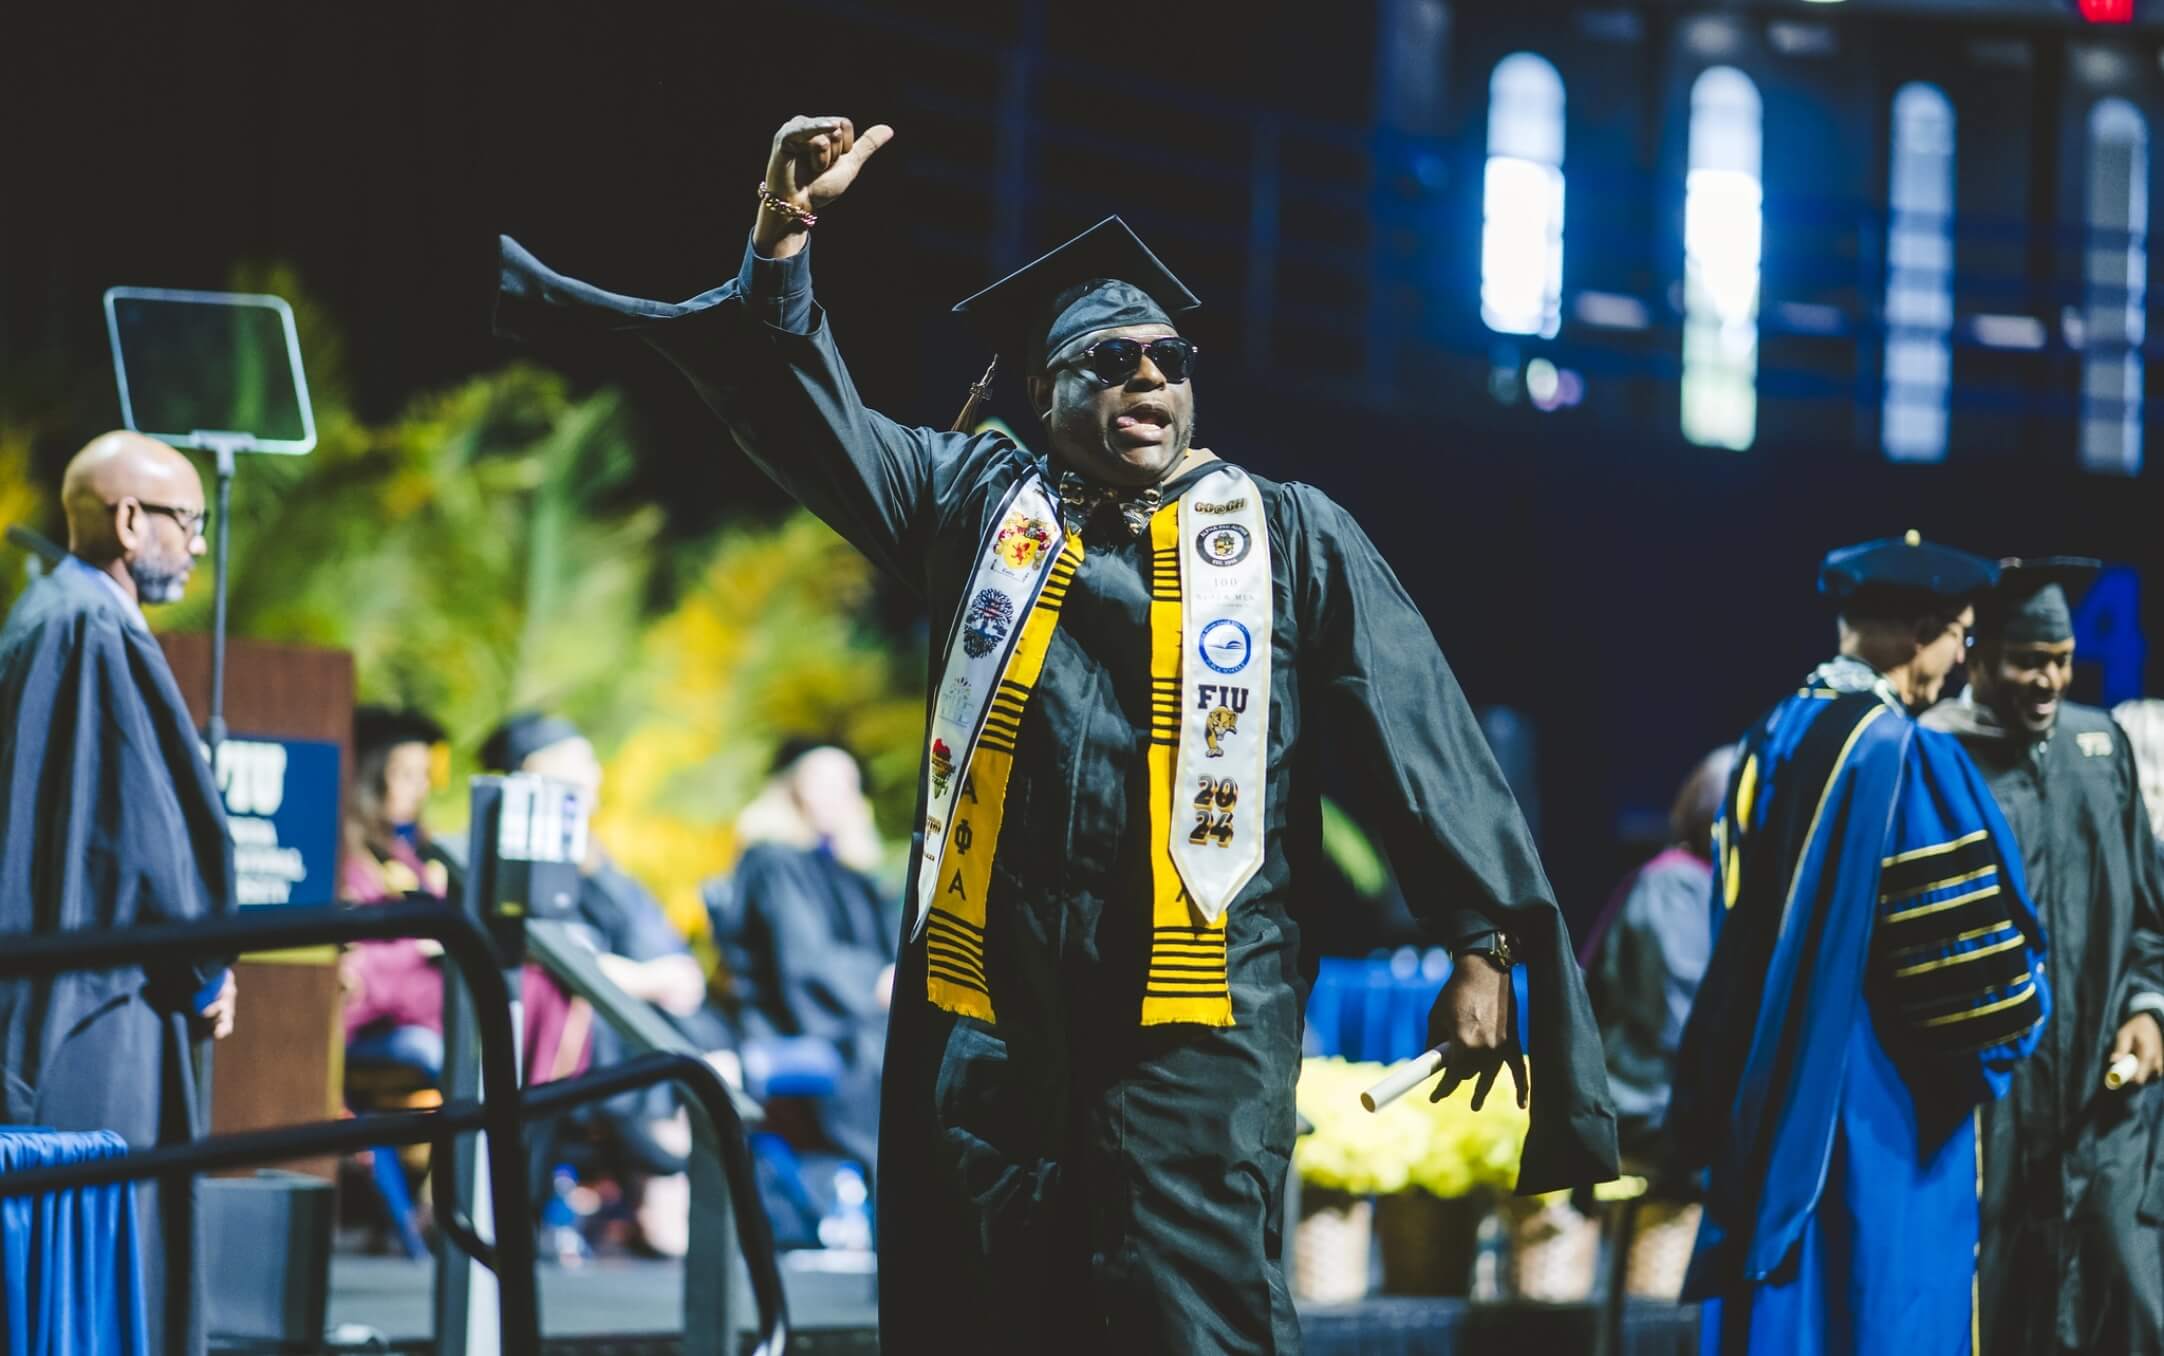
(1225,687)
(1210,625)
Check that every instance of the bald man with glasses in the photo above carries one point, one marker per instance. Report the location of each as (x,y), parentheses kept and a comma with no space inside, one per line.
(110,818)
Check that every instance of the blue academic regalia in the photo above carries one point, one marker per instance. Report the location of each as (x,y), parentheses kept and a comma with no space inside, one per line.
(1876,973)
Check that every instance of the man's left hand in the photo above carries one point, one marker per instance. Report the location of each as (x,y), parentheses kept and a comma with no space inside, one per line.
(1472,1013)
(2142,1038)
(219,1013)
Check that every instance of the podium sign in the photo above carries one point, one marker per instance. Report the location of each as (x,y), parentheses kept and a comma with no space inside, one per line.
(281,801)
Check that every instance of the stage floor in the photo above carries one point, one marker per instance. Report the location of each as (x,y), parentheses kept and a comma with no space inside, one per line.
(608,1305)
(614,1297)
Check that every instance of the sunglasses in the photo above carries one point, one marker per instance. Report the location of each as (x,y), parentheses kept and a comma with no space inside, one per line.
(1115,361)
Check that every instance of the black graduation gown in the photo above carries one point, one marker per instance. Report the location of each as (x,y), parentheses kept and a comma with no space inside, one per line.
(2071,1209)
(805,959)
(1070,1179)
(108,817)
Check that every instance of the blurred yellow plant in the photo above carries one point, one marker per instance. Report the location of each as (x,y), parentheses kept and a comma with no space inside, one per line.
(1443,1148)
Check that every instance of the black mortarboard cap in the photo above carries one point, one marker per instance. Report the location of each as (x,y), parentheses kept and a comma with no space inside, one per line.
(1102,279)
(2034,601)
(1904,575)
(792,750)
(521,736)
(384,727)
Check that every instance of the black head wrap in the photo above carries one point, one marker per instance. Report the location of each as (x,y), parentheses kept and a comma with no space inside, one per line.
(521,736)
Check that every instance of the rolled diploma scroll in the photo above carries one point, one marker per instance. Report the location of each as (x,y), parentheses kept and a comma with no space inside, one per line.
(2121,1072)
(1405,1077)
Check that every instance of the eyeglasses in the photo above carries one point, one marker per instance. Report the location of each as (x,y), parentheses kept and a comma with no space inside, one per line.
(192,521)
(1114,361)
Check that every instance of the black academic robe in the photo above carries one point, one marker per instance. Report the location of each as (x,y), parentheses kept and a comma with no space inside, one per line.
(1070,1179)
(805,956)
(2071,1208)
(108,818)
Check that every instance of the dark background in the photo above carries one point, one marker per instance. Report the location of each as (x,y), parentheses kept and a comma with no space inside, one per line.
(1312,172)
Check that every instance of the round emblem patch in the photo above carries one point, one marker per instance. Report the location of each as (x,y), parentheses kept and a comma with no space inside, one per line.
(1223,544)
(986,624)
(1225,645)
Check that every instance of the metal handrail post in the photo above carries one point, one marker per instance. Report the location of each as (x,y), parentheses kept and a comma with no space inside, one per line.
(29,956)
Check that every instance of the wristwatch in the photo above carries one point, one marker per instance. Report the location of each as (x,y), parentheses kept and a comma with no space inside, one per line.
(1495,949)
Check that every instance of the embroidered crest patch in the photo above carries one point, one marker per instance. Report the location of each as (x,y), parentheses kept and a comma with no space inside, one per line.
(986,624)
(1223,544)
(1022,539)
(942,767)
(1225,645)
(954,704)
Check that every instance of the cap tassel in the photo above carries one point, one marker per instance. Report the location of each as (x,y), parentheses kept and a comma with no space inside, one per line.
(977,396)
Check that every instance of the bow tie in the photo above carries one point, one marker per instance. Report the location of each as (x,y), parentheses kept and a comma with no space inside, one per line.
(1080,500)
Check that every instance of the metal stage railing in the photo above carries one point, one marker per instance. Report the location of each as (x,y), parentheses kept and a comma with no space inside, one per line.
(498,1114)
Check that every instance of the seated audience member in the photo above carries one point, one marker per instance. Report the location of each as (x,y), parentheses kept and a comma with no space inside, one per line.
(804,930)
(394,997)
(1644,957)
(645,955)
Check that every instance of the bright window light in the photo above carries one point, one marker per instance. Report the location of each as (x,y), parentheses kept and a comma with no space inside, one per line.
(1723,221)
(1521,233)
(2116,283)
(1919,276)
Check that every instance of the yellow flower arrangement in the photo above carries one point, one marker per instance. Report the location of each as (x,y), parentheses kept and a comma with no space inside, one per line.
(1443,1148)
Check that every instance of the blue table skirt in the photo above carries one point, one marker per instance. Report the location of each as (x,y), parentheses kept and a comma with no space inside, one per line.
(71,1283)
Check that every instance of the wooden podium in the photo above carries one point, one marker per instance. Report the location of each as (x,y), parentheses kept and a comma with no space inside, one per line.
(285,775)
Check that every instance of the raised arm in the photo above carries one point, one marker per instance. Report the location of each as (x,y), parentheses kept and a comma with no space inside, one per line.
(759,351)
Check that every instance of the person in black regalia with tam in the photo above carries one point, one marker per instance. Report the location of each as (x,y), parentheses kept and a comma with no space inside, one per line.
(109,818)
(2072,1207)
(1088,1099)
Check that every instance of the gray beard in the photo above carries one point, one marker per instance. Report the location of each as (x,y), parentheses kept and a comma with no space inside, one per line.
(157,584)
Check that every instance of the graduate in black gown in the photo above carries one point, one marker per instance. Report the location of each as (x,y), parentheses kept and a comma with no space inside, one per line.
(109,818)
(803,932)
(2072,1209)
(1101,1165)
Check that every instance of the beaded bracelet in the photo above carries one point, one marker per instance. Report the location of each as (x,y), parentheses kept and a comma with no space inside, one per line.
(781,208)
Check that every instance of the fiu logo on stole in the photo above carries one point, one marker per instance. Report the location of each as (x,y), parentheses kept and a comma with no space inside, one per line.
(1021,540)
(986,624)
(1224,703)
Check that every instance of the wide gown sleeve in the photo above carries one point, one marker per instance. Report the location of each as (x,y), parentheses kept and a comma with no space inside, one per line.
(1462,850)
(760,353)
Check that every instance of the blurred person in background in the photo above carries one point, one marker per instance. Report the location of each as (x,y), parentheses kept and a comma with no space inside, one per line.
(1877,973)
(641,952)
(2143,721)
(1644,957)
(110,818)
(2065,1158)
(806,934)
(394,987)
